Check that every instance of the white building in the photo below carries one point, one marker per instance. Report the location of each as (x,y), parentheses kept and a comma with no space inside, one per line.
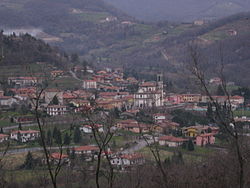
(89,84)
(22,81)
(171,141)
(88,128)
(25,136)
(128,160)
(159,118)
(7,101)
(54,110)
(149,94)
(4,137)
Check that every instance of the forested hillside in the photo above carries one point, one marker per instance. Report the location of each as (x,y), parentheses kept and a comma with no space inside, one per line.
(25,49)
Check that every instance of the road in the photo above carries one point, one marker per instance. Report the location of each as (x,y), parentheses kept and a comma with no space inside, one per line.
(74,75)
(140,144)
(48,122)
(24,150)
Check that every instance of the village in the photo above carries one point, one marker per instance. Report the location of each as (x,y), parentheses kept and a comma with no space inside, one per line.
(144,112)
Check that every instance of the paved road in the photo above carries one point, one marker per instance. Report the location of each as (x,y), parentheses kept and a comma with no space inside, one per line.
(74,75)
(49,122)
(24,150)
(16,126)
(140,144)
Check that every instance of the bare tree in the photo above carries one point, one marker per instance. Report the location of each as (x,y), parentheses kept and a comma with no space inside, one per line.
(102,139)
(223,115)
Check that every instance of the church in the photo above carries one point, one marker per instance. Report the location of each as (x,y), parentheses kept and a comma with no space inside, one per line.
(150,94)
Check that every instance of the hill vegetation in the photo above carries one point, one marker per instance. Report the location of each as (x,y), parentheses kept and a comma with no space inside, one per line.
(106,37)
(25,49)
(180,10)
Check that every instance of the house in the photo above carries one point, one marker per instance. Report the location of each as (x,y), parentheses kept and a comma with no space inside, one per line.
(165,126)
(1,93)
(22,81)
(149,94)
(57,158)
(204,139)
(56,73)
(89,152)
(89,128)
(25,135)
(7,101)
(159,118)
(86,150)
(24,119)
(190,98)
(110,104)
(128,160)
(215,81)
(171,141)
(194,131)
(79,102)
(89,84)
(199,22)
(173,99)
(4,137)
(133,126)
(54,110)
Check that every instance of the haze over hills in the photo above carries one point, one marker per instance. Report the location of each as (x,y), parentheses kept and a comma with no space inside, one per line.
(107,37)
(180,10)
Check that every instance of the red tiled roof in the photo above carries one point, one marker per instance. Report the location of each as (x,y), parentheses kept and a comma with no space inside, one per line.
(23,78)
(132,156)
(3,136)
(93,126)
(68,96)
(25,131)
(207,134)
(148,84)
(58,156)
(86,148)
(108,94)
(237,97)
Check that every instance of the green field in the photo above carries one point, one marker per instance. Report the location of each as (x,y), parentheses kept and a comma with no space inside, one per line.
(242,113)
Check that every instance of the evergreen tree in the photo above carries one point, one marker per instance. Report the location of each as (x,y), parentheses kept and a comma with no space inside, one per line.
(190,145)
(77,135)
(72,154)
(19,137)
(220,91)
(58,138)
(1,130)
(49,139)
(20,126)
(66,139)
(167,161)
(54,134)
(210,112)
(54,101)
(29,162)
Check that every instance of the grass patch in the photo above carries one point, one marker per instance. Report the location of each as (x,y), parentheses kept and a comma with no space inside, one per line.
(92,16)
(66,83)
(149,156)
(242,113)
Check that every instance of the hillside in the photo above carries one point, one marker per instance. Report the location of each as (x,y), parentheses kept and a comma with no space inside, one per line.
(180,10)
(25,49)
(69,24)
(106,37)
